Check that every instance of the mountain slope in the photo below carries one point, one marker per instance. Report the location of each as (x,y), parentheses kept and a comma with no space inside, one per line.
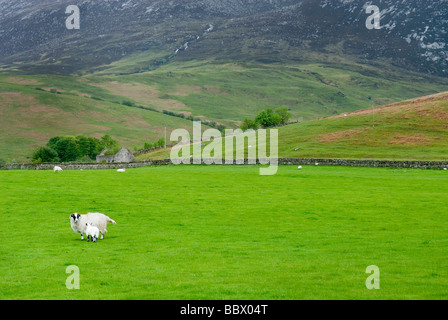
(34,39)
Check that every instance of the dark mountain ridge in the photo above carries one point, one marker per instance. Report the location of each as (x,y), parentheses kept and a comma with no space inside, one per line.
(413,33)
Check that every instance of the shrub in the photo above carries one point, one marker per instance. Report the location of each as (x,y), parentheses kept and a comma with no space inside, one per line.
(45,154)
(284,114)
(160,142)
(248,124)
(128,103)
(268,118)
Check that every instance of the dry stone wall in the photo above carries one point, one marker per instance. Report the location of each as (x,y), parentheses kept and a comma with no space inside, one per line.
(281,161)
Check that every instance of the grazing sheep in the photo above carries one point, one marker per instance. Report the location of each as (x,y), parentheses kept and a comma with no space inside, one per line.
(121,170)
(92,232)
(99,220)
(57,169)
(299,167)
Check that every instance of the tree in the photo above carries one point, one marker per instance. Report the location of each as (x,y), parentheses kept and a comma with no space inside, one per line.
(268,118)
(160,142)
(53,141)
(75,148)
(248,124)
(68,149)
(89,146)
(45,154)
(284,114)
(108,142)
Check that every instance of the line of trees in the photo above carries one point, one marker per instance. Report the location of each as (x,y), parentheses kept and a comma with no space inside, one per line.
(267,118)
(79,148)
(159,143)
(211,124)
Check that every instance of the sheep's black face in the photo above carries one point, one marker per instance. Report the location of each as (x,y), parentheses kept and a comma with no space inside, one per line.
(75,217)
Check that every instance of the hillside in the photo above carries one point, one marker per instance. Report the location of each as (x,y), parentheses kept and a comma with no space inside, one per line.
(230,92)
(34,109)
(415,129)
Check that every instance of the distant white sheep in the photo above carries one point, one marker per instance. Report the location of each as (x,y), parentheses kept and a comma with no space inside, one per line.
(121,170)
(92,232)
(57,169)
(299,167)
(78,222)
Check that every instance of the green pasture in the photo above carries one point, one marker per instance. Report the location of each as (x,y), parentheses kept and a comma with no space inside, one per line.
(225,232)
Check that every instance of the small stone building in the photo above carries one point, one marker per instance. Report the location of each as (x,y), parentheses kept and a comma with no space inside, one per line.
(122,156)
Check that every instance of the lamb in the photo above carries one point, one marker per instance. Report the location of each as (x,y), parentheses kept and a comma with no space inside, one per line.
(57,169)
(92,232)
(99,220)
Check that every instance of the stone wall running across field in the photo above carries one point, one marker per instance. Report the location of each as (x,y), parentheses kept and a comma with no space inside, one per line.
(367,163)
(281,161)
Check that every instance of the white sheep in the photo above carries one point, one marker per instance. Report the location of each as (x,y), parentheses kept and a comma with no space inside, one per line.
(92,232)
(57,169)
(99,220)
(121,170)
(299,167)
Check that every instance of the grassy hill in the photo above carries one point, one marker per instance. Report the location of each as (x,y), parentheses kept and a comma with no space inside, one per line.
(36,108)
(130,107)
(230,92)
(415,129)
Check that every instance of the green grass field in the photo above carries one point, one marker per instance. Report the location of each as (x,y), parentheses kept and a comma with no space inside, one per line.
(225,232)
